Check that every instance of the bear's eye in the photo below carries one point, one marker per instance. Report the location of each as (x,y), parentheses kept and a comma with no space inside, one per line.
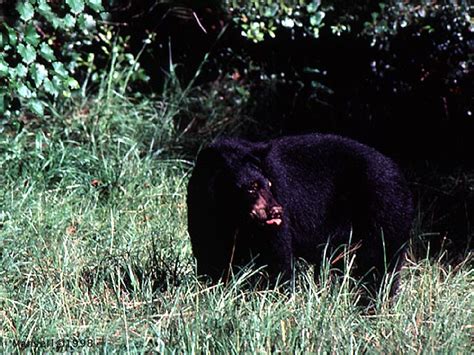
(269,183)
(253,188)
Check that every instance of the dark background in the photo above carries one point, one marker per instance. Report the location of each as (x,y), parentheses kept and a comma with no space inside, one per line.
(410,96)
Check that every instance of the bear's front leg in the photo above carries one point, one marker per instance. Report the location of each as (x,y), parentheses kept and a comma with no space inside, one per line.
(277,254)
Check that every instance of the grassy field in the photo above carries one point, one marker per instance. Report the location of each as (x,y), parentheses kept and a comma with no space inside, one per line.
(94,256)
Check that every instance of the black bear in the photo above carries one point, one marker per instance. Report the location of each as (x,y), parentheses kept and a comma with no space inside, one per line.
(296,197)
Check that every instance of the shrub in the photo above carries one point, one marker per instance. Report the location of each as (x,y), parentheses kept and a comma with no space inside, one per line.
(258,19)
(40,51)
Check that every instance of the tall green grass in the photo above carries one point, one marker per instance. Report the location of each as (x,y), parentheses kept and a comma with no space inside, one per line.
(94,256)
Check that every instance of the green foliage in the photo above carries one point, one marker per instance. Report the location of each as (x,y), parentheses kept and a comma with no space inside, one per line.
(94,247)
(259,19)
(39,52)
(396,15)
(122,68)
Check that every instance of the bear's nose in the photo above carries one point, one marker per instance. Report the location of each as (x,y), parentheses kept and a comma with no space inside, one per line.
(276,212)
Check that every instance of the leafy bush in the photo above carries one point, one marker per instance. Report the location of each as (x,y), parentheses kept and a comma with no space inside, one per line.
(39,51)
(398,15)
(258,19)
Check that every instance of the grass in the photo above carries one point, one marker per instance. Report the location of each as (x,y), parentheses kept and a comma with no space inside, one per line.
(94,256)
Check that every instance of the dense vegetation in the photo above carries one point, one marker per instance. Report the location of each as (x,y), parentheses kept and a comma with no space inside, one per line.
(94,252)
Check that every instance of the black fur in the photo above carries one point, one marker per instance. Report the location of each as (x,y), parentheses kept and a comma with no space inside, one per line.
(326,191)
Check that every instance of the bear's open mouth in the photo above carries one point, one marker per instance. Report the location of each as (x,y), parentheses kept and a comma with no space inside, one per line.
(274,217)
(274,221)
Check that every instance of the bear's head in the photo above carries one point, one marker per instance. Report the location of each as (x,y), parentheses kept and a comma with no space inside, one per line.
(254,192)
(235,185)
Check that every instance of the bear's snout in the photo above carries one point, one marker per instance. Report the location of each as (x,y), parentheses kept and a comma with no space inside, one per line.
(269,215)
(276,215)
(276,212)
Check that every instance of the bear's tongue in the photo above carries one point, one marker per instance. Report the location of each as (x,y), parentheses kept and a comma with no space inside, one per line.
(274,221)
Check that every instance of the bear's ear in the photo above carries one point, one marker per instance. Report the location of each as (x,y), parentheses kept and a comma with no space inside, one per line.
(254,161)
(210,158)
(255,157)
